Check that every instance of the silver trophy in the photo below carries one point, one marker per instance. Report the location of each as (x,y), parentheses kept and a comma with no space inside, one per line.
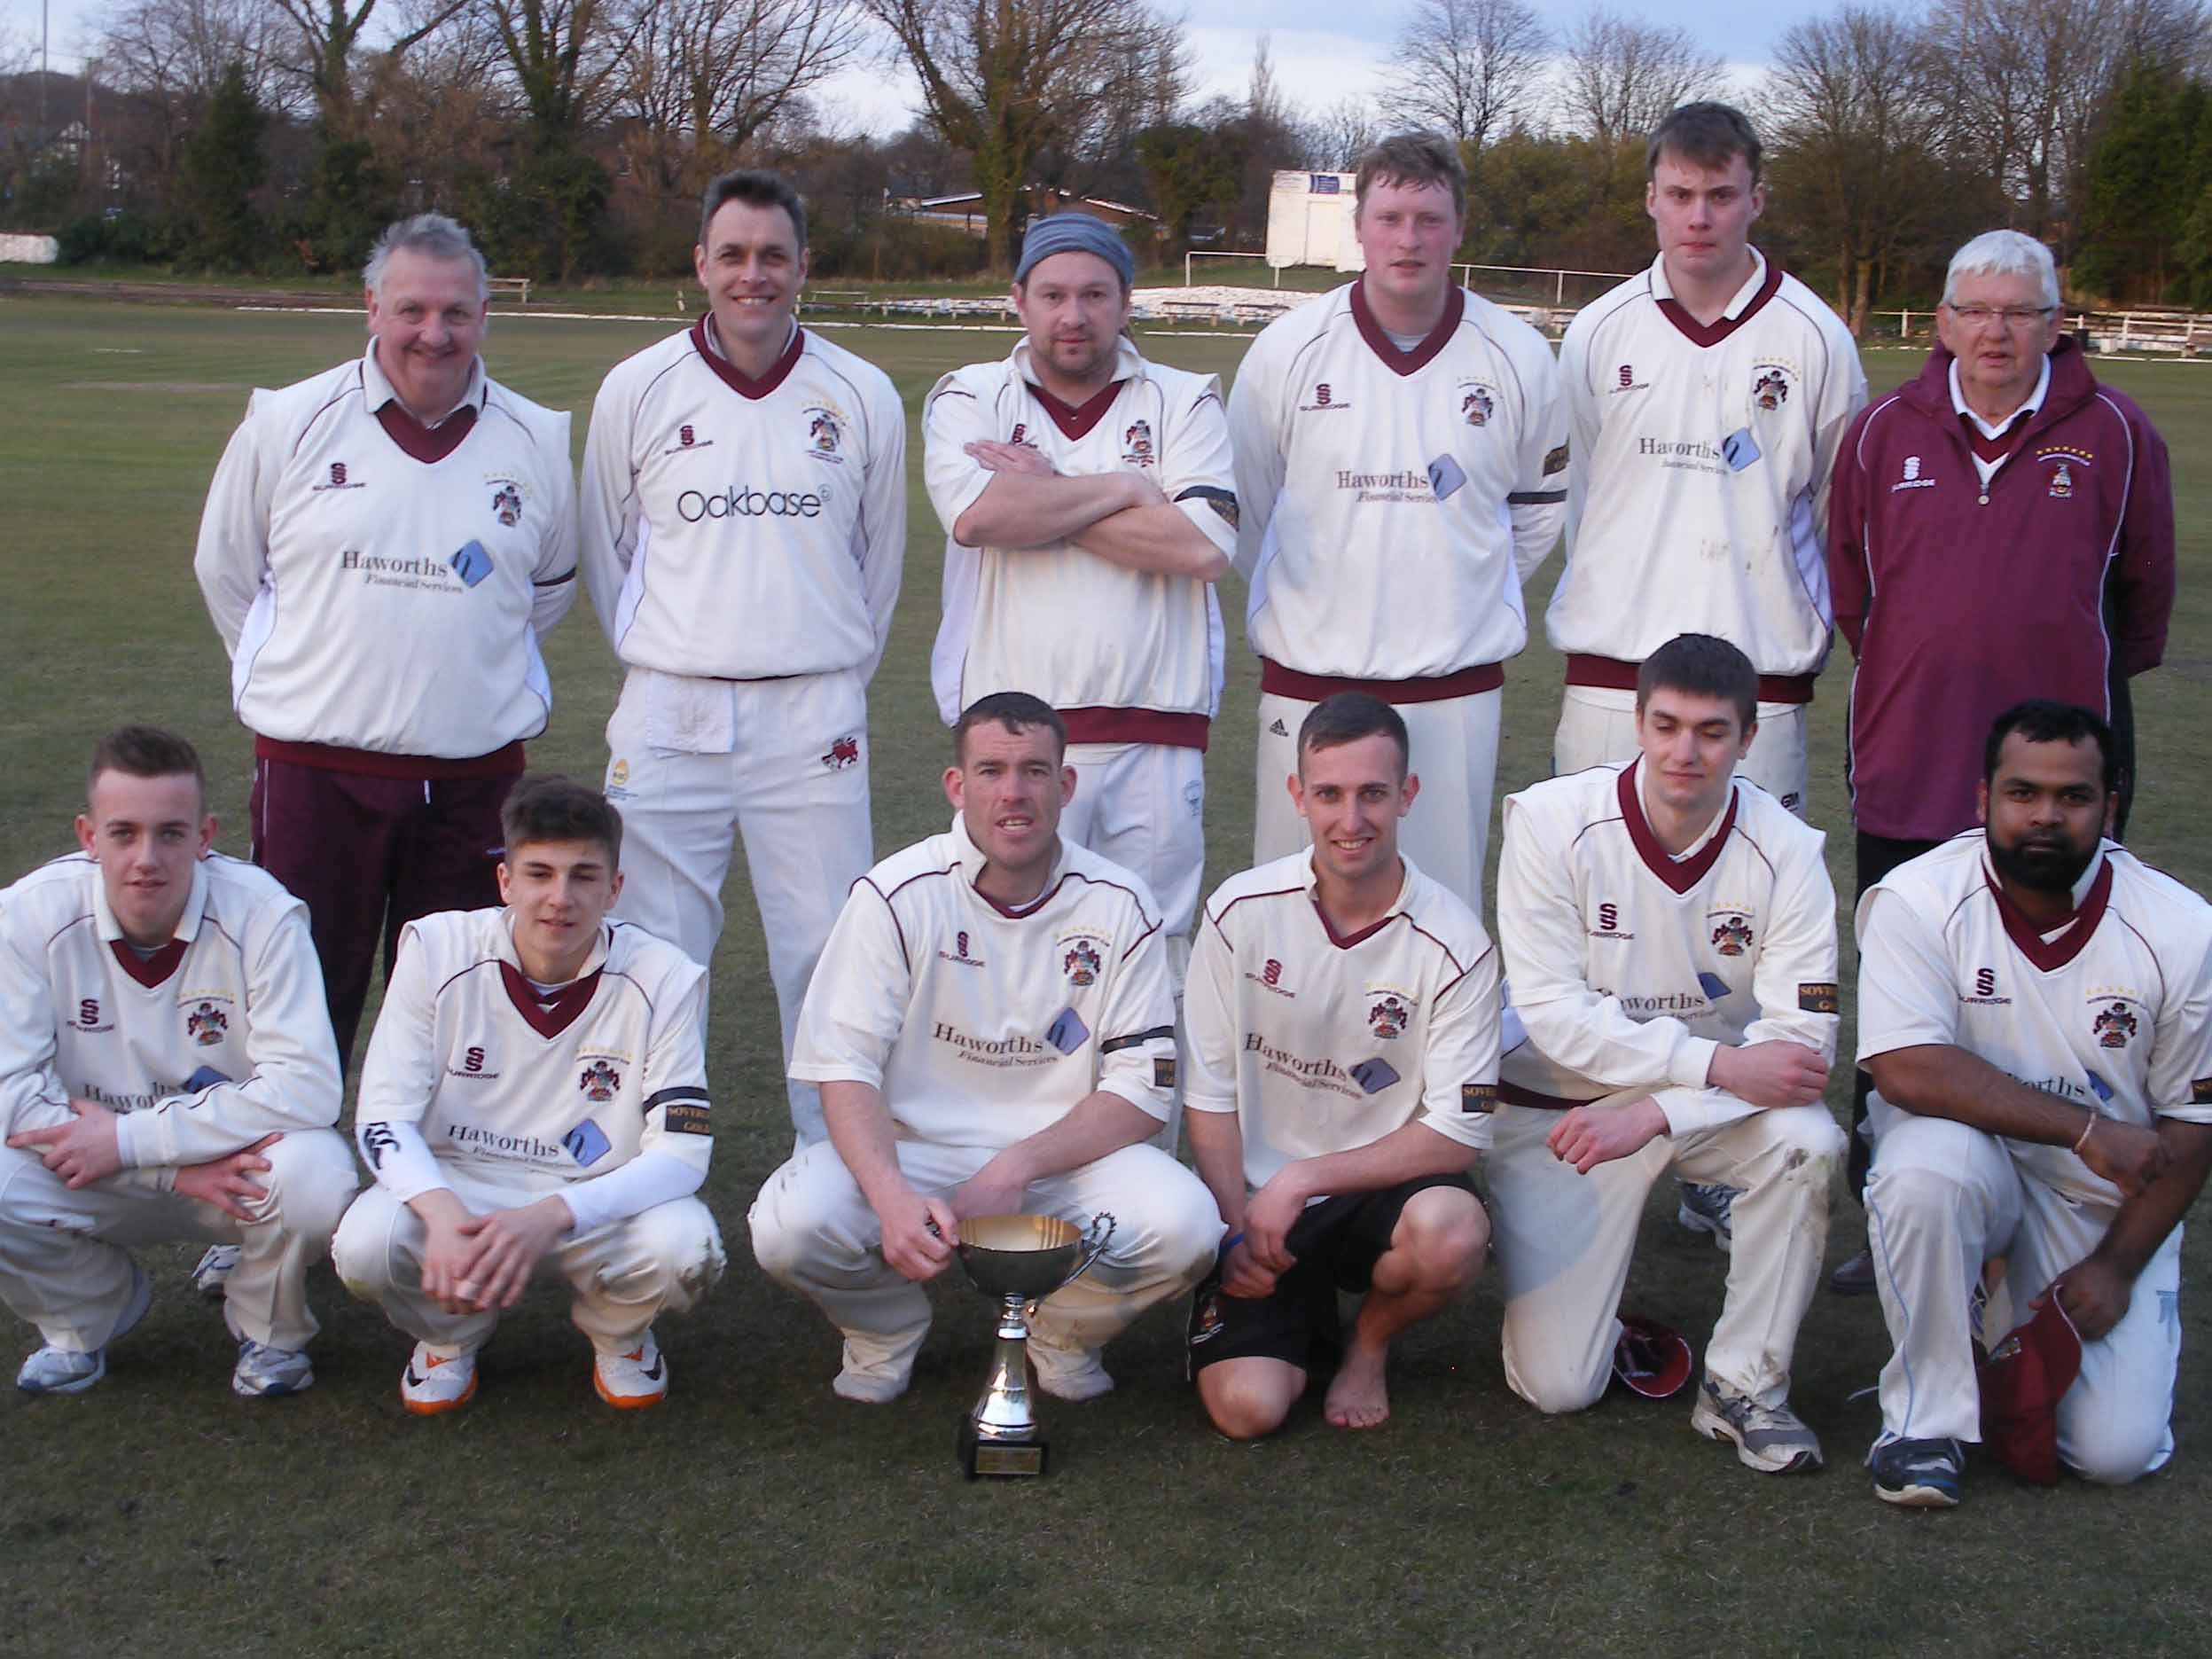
(1020,1260)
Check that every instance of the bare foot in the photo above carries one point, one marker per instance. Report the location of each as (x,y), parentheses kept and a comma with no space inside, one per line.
(1357,1397)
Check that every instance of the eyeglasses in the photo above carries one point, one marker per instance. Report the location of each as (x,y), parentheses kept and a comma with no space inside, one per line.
(2011,316)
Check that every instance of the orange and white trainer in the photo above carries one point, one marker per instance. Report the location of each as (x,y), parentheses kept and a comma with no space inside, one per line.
(434,1383)
(633,1380)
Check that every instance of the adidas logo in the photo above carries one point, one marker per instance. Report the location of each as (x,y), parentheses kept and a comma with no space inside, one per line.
(1279,730)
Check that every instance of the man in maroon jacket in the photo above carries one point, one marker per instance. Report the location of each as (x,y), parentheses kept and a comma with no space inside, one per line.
(2001,528)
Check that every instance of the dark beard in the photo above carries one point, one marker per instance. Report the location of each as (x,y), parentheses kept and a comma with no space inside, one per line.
(2041,867)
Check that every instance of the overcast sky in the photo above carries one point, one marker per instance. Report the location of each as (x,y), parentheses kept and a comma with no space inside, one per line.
(1316,61)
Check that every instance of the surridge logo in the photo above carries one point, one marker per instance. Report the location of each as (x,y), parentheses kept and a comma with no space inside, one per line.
(1626,382)
(1910,477)
(1324,401)
(1271,977)
(1985,989)
(336,481)
(959,951)
(687,438)
(1609,924)
(89,1016)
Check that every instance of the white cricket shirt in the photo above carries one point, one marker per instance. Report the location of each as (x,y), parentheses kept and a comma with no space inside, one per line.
(1322,1044)
(744,529)
(1087,636)
(373,598)
(1627,967)
(221,1037)
(1698,501)
(2112,1012)
(522,1090)
(981,1026)
(1391,501)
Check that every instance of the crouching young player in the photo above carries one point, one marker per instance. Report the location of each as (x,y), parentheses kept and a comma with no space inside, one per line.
(535,1100)
(1343,1015)
(167,1072)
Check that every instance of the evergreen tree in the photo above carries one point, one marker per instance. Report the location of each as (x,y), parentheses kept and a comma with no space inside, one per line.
(224,164)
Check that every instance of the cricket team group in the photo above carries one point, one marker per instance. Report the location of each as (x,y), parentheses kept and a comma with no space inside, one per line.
(1035,1011)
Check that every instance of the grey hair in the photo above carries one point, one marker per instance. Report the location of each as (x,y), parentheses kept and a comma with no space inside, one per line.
(2004,254)
(432,235)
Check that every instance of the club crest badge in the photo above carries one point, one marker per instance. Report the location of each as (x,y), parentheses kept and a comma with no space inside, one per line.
(1477,404)
(1732,937)
(1080,963)
(1388,1017)
(843,753)
(2062,483)
(1136,444)
(1772,389)
(599,1081)
(206,1025)
(826,433)
(2113,1026)
(506,501)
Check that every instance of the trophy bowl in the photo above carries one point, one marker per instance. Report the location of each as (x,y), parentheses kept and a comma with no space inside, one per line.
(1030,1256)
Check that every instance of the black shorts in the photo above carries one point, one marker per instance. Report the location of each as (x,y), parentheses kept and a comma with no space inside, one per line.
(1337,1242)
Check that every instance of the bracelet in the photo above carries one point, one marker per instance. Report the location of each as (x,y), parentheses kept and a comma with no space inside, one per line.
(1230,1243)
(2083,1141)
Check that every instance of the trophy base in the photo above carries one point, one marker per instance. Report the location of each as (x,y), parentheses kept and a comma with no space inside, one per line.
(981,1458)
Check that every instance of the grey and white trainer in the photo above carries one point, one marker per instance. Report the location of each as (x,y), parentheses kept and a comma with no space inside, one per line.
(213,1273)
(1771,1439)
(267,1374)
(52,1370)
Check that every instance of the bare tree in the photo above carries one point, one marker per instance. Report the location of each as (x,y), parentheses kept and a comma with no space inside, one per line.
(699,78)
(562,59)
(170,56)
(330,33)
(1006,80)
(1619,78)
(1856,101)
(1466,67)
(2027,81)
(1340,135)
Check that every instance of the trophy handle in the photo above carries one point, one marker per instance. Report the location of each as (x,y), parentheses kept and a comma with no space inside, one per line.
(1095,1239)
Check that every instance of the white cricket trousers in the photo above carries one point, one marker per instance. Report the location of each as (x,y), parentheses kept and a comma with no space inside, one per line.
(814,1231)
(623,1276)
(782,763)
(64,1262)
(1942,1200)
(1454,753)
(1598,726)
(1564,1242)
(1143,805)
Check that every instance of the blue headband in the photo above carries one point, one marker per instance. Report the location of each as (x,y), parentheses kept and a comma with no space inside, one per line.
(1075,233)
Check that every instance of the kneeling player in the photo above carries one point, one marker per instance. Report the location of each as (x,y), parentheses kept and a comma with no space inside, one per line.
(1342,1009)
(993,1030)
(534,1098)
(1671,941)
(2036,1006)
(167,1072)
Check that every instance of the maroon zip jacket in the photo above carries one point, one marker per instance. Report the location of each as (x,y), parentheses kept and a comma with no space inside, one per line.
(1959,601)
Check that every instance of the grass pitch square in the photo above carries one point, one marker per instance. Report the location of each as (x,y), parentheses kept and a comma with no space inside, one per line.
(754,1514)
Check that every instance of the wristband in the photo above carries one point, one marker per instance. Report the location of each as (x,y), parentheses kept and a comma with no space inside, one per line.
(1230,1243)
(2086,1128)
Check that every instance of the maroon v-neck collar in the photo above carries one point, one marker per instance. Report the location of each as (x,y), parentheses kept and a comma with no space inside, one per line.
(739,383)
(549,1016)
(1346,940)
(1076,420)
(426,444)
(2051,955)
(1379,342)
(1681,874)
(2001,446)
(149,971)
(1712,334)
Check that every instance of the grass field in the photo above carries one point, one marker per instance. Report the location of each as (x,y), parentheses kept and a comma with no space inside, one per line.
(159,1515)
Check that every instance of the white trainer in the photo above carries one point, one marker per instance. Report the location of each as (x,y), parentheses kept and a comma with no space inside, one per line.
(268,1373)
(213,1273)
(433,1384)
(1069,1373)
(52,1370)
(631,1381)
